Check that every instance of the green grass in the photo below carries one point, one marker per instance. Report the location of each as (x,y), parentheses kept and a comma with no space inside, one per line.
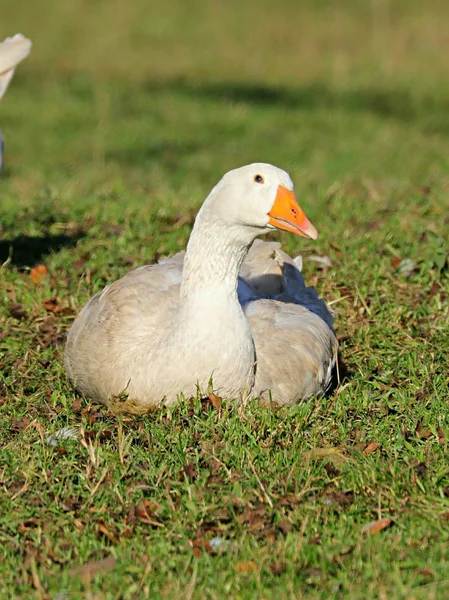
(116,128)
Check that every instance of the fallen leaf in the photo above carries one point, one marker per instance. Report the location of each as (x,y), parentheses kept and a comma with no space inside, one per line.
(17,311)
(52,304)
(255,518)
(199,545)
(376,527)
(76,406)
(426,572)
(71,504)
(189,472)
(19,424)
(371,447)
(38,274)
(103,529)
(334,497)
(211,401)
(215,401)
(277,568)
(435,289)
(127,533)
(331,470)
(284,526)
(79,264)
(145,512)
(395,261)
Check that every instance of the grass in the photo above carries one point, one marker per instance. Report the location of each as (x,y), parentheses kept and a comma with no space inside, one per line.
(116,128)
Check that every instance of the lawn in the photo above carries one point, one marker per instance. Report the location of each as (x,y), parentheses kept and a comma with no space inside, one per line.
(117,126)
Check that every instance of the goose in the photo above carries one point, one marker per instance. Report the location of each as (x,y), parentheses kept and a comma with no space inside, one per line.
(12,51)
(207,319)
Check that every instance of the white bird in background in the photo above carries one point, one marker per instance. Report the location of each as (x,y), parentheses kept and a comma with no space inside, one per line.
(12,51)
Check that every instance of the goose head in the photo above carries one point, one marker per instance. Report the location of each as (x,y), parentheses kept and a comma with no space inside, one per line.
(259,197)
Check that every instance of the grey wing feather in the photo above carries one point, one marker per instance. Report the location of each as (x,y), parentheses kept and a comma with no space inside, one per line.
(291,325)
(268,272)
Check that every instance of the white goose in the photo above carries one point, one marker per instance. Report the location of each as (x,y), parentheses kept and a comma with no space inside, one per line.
(189,322)
(12,51)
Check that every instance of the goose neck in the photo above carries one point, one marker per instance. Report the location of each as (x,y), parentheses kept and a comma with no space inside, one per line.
(214,256)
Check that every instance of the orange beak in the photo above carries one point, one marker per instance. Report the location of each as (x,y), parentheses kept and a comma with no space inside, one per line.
(288,215)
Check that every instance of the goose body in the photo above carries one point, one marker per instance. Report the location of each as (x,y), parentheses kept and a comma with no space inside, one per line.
(189,322)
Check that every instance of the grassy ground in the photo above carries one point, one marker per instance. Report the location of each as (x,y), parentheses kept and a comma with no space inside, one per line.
(116,127)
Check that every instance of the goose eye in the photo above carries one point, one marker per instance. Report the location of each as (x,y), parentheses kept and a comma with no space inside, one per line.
(259,179)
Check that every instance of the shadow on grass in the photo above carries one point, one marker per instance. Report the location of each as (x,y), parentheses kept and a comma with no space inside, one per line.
(340,375)
(168,152)
(26,251)
(401,104)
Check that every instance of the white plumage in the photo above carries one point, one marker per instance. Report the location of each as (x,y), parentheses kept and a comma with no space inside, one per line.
(230,310)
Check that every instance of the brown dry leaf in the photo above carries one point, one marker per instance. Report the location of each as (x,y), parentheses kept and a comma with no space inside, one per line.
(17,311)
(38,274)
(200,545)
(423,433)
(19,424)
(79,264)
(52,304)
(277,568)
(427,572)
(145,512)
(189,472)
(77,405)
(70,503)
(435,289)
(215,401)
(376,527)
(338,497)
(93,568)
(146,508)
(370,448)
(395,262)
(246,567)
(103,529)
(284,526)
(210,401)
(256,519)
